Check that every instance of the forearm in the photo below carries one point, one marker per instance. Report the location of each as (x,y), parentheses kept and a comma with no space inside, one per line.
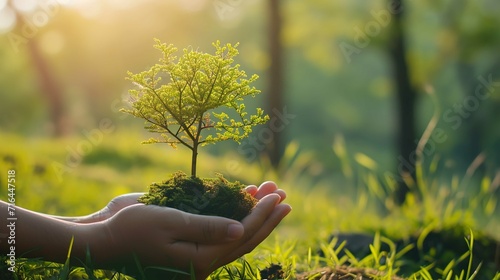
(41,236)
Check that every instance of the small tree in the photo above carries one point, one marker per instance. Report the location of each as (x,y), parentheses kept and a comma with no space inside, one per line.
(182,110)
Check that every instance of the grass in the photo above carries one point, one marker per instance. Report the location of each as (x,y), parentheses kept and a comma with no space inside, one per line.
(354,201)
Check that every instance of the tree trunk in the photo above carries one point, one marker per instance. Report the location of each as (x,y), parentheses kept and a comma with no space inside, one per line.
(50,89)
(470,146)
(194,158)
(275,87)
(406,97)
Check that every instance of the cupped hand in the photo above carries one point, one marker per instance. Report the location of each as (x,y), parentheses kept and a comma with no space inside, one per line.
(113,207)
(169,238)
(122,201)
(264,189)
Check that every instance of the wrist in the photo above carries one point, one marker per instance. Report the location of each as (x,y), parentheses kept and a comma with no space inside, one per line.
(87,240)
(94,240)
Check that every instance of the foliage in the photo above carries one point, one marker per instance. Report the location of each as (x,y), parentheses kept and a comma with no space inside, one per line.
(301,243)
(184,107)
(441,37)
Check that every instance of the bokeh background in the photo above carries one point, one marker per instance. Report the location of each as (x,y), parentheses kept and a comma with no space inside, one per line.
(354,85)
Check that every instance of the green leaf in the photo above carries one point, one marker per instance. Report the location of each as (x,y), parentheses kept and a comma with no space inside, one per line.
(196,99)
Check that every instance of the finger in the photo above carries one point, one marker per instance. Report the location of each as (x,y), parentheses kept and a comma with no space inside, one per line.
(131,196)
(279,212)
(125,200)
(251,224)
(252,190)
(259,214)
(264,217)
(204,229)
(115,205)
(281,193)
(267,188)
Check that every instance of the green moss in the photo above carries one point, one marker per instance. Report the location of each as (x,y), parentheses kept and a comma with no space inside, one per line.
(208,196)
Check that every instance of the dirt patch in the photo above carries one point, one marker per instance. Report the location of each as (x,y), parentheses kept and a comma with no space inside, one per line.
(343,273)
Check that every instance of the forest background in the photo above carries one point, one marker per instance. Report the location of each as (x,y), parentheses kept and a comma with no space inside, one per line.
(364,77)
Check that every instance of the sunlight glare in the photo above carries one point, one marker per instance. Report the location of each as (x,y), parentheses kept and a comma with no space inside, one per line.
(25,6)
(92,9)
(124,4)
(192,6)
(52,42)
(89,9)
(7,19)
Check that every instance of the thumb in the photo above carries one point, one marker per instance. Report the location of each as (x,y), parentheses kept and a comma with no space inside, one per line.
(207,229)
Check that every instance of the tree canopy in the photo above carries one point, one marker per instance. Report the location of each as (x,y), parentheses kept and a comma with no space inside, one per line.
(186,101)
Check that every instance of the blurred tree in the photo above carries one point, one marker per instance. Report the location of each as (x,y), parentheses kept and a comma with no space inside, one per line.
(429,43)
(467,33)
(275,87)
(473,39)
(466,51)
(50,88)
(364,26)
(406,97)
(25,34)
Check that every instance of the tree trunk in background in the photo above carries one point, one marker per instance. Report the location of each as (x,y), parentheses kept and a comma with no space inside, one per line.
(275,88)
(406,97)
(49,88)
(470,147)
(475,116)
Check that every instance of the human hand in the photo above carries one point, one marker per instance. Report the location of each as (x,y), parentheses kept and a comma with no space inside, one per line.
(122,201)
(169,238)
(265,189)
(115,205)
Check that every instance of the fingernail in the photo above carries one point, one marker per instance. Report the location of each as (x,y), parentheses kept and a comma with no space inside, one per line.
(275,197)
(235,231)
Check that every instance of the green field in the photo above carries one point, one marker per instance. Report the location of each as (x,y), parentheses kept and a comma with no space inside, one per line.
(54,178)
(358,86)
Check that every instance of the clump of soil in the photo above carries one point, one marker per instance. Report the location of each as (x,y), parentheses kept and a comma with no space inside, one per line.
(273,272)
(207,196)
